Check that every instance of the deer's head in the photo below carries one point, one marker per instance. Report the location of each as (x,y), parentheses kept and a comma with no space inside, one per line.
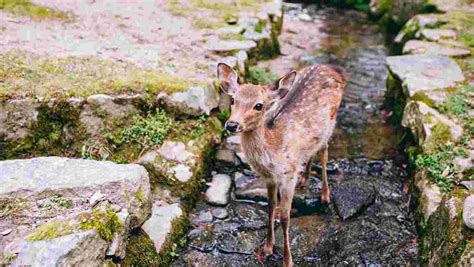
(250,103)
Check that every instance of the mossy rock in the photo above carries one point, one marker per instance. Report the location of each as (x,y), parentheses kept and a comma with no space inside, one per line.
(444,236)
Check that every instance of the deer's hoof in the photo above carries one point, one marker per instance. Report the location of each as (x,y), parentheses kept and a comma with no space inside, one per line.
(268,249)
(325,199)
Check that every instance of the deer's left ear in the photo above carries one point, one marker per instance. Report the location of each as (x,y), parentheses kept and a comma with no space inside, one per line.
(283,85)
(227,78)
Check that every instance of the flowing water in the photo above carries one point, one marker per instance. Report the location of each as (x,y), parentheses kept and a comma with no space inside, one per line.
(369,220)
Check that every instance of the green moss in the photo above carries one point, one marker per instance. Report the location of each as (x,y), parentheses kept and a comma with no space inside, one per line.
(26,74)
(27,8)
(51,230)
(9,256)
(420,96)
(174,241)
(440,135)
(141,250)
(105,223)
(139,195)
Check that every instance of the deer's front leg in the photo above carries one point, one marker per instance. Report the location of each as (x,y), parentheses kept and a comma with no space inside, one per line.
(287,189)
(272,204)
(325,192)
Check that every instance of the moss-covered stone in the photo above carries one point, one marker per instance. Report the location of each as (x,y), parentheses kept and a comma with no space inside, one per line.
(106,223)
(444,236)
(51,230)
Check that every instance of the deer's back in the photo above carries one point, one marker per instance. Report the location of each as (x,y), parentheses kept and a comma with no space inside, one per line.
(308,114)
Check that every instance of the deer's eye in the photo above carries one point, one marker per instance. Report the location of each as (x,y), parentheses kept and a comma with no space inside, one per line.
(258,107)
(231,100)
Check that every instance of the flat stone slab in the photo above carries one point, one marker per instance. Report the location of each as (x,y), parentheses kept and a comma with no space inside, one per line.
(424,72)
(430,48)
(437,34)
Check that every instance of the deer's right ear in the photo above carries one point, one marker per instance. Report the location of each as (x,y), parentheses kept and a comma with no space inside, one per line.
(283,85)
(227,78)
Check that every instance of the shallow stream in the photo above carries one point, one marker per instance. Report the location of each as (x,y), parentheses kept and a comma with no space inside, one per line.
(369,221)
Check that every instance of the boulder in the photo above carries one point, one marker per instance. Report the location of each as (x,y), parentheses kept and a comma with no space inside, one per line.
(194,101)
(159,226)
(424,72)
(218,192)
(428,126)
(61,189)
(430,48)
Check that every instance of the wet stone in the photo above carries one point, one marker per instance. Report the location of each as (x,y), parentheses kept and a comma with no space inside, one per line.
(202,218)
(220,213)
(352,197)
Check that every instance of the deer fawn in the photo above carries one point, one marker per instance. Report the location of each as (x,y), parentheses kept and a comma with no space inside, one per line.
(282,126)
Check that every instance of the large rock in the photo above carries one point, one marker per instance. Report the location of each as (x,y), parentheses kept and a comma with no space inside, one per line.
(81,249)
(437,34)
(194,101)
(159,226)
(16,118)
(219,189)
(424,72)
(52,193)
(430,48)
(99,110)
(429,127)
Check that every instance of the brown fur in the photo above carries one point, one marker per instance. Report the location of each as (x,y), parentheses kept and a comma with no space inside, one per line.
(280,140)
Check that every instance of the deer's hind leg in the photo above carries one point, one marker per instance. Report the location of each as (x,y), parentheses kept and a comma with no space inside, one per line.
(272,204)
(325,192)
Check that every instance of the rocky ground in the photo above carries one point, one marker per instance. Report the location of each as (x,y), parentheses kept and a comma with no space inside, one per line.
(369,220)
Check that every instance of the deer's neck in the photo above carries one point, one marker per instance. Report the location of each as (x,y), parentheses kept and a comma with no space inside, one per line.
(253,143)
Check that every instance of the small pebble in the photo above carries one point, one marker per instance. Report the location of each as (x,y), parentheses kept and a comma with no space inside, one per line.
(6,232)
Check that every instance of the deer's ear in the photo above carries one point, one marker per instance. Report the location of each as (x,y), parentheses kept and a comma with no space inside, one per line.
(227,78)
(283,85)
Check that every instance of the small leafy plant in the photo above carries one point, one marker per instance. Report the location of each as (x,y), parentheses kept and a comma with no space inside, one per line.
(148,131)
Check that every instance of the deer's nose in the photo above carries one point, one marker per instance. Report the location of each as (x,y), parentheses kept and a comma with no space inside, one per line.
(231,126)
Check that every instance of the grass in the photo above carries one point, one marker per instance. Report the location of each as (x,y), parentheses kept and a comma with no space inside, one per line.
(258,75)
(25,74)
(32,10)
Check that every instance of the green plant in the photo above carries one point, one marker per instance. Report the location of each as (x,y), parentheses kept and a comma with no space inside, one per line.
(439,165)
(455,104)
(258,75)
(148,131)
